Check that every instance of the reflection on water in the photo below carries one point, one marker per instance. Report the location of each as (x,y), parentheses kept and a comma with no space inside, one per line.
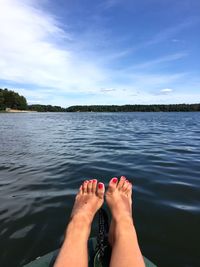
(45,157)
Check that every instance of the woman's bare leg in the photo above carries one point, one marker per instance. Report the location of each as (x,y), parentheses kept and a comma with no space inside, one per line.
(74,252)
(111,234)
(123,238)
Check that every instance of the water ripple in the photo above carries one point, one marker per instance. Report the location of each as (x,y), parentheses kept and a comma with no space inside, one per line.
(45,157)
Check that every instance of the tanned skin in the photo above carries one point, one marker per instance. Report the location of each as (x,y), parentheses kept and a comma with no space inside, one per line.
(122,234)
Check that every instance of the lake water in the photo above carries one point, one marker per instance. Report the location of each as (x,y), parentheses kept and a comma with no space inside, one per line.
(44,157)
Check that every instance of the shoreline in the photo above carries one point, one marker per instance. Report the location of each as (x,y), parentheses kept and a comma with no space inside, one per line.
(17,111)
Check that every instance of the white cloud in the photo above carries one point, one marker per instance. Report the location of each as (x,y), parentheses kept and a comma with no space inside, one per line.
(164,59)
(166,90)
(29,53)
(175,40)
(34,50)
(171,31)
(162,36)
(110,3)
(107,90)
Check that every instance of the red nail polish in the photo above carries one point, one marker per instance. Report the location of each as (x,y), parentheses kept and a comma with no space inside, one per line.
(100,185)
(114,180)
(90,181)
(94,181)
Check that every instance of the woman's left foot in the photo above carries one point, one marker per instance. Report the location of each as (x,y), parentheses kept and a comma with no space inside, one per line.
(89,199)
(118,194)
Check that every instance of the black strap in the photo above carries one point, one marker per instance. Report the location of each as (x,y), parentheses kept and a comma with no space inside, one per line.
(102,238)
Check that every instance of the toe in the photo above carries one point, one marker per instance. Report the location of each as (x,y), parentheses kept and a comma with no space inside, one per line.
(80,192)
(112,184)
(94,185)
(125,186)
(84,186)
(100,190)
(121,182)
(129,189)
(89,187)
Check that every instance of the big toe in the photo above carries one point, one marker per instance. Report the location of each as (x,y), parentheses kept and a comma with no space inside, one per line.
(100,190)
(112,185)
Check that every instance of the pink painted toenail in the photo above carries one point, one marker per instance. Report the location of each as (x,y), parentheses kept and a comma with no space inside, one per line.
(114,180)
(100,185)
(90,181)
(94,181)
(123,177)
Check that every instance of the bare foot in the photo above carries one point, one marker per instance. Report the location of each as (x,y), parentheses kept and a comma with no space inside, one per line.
(88,200)
(119,200)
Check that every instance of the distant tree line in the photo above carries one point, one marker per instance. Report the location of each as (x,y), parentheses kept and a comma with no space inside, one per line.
(46,108)
(11,99)
(135,108)
(116,108)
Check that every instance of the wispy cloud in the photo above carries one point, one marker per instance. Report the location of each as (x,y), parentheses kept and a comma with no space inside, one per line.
(30,50)
(168,33)
(166,90)
(160,60)
(106,90)
(106,4)
(36,51)
(176,40)
(172,31)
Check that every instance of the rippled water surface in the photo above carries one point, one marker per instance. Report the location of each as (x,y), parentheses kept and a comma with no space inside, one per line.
(45,157)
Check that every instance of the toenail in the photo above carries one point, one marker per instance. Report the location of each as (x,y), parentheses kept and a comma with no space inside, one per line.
(123,177)
(100,185)
(90,181)
(94,181)
(114,180)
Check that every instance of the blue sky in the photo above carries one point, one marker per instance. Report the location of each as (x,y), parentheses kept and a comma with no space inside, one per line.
(68,52)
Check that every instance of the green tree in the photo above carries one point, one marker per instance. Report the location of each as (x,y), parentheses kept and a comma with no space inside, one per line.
(11,99)
(2,106)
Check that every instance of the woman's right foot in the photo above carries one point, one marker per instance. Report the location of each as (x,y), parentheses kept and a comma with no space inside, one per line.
(88,200)
(119,200)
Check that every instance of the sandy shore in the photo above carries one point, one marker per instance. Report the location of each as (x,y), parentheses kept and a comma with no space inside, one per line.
(18,111)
